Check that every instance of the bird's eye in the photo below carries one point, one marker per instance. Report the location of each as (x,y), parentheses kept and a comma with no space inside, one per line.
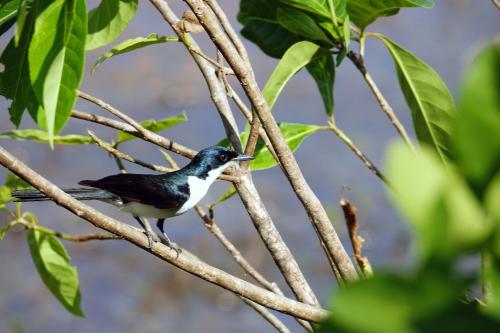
(223,158)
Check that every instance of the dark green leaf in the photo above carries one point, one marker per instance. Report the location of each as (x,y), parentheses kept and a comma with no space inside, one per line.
(322,69)
(447,217)
(56,59)
(430,102)
(53,264)
(295,58)
(318,7)
(108,20)
(476,139)
(8,13)
(131,45)
(41,136)
(301,24)
(365,12)
(154,126)
(5,227)
(294,134)
(261,26)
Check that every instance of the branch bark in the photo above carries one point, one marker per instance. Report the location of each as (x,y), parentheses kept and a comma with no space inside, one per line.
(184,261)
(311,203)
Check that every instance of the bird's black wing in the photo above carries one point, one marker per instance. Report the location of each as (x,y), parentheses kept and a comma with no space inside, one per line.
(159,191)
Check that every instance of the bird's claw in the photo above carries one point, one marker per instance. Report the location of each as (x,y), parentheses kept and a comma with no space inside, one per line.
(168,243)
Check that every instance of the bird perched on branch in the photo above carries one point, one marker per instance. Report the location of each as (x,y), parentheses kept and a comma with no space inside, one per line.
(159,196)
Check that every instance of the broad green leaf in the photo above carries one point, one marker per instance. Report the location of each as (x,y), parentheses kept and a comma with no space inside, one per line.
(154,126)
(8,13)
(293,133)
(318,7)
(261,26)
(365,12)
(53,264)
(476,139)
(447,218)
(108,20)
(431,104)
(56,58)
(41,136)
(15,82)
(226,195)
(322,69)
(131,45)
(426,303)
(301,24)
(21,19)
(294,59)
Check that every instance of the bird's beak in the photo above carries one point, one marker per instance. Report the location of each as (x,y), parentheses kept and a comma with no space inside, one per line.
(243,158)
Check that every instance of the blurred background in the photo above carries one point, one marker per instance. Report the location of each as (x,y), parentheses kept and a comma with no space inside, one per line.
(123,288)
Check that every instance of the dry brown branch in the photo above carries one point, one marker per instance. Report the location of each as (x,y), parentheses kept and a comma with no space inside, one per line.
(120,155)
(311,203)
(496,3)
(351,220)
(65,236)
(185,261)
(272,319)
(259,215)
(358,61)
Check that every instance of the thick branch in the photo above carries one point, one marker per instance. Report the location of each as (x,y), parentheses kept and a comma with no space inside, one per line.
(184,261)
(272,319)
(311,203)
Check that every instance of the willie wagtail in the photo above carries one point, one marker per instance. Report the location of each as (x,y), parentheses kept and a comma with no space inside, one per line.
(159,196)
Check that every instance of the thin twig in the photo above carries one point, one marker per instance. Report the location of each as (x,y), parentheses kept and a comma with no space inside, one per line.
(225,70)
(358,61)
(496,3)
(272,319)
(120,155)
(342,136)
(356,240)
(185,261)
(68,237)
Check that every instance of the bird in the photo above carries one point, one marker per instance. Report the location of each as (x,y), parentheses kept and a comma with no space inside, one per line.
(160,196)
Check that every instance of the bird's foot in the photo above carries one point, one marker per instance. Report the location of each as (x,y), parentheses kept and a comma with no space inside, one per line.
(166,241)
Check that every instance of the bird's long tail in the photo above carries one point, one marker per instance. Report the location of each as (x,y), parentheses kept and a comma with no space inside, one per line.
(77,193)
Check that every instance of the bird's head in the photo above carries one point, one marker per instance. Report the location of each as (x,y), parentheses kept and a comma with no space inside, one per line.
(217,158)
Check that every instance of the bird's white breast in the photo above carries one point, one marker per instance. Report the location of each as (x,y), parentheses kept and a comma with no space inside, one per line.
(198,187)
(139,209)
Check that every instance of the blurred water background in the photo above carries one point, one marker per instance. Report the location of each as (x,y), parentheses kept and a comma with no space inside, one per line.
(125,289)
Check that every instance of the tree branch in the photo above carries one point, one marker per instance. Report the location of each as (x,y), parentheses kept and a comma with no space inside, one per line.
(311,203)
(185,261)
(272,319)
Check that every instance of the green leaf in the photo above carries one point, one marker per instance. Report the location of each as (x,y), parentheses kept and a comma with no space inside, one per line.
(21,19)
(293,133)
(131,45)
(430,102)
(322,69)
(365,12)
(53,264)
(476,139)
(108,20)
(447,218)
(41,136)
(261,26)
(8,13)
(154,126)
(318,7)
(301,24)
(296,57)
(13,182)
(5,227)
(5,196)
(56,58)
(15,82)
(226,195)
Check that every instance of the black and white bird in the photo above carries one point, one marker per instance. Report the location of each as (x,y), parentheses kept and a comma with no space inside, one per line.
(159,196)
